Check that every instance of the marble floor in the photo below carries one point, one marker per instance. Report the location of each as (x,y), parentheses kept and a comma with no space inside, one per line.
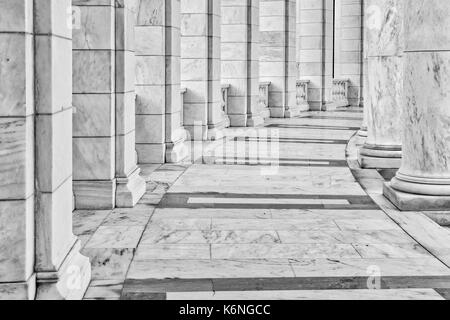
(277,212)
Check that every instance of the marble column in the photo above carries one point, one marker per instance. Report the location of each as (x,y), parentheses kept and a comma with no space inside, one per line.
(348,47)
(278,59)
(204,117)
(315,56)
(130,185)
(365,75)
(94,131)
(383,147)
(423,181)
(240,61)
(17,116)
(39,255)
(160,136)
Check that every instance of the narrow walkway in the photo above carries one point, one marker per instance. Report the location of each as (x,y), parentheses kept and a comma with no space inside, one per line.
(268,213)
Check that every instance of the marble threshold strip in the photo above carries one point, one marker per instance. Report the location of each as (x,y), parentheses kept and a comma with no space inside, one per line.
(159,289)
(273,162)
(286,140)
(266,201)
(329,118)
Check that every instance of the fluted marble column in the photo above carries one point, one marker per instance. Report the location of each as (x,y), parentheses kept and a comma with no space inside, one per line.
(278,59)
(160,136)
(39,255)
(204,117)
(384,19)
(240,61)
(423,181)
(315,56)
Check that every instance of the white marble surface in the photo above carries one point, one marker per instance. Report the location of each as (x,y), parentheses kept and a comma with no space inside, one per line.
(395,294)
(385,44)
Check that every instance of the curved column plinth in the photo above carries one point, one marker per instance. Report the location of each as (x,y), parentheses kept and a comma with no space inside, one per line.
(414,193)
(363,132)
(421,185)
(380,157)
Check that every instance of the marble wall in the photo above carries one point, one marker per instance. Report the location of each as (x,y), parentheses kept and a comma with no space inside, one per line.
(240,61)
(315,50)
(204,117)
(105,171)
(423,181)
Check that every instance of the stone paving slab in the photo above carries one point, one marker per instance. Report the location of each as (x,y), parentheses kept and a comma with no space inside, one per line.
(236,228)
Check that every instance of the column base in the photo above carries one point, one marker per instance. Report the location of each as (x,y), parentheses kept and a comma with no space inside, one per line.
(255,121)
(94,195)
(363,133)
(380,157)
(366,162)
(19,290)
(130,190)
(70,282)
(415,202)
(304,107)
(177,152)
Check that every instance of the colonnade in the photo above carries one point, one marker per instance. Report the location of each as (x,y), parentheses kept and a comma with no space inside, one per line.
(89,93)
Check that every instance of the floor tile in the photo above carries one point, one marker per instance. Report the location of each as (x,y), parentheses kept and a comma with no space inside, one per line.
(349,237)
(173,251)
(128,217)
(385,250)
(210,237)
(283,251)
(116,237)
(273,224)
(109,264)
(367,224)
(208,269)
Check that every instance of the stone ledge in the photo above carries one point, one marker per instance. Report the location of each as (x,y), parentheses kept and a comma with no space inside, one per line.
(19,290)
(415,202)
(378,163)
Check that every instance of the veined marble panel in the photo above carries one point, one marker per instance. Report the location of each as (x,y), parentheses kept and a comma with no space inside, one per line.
(395,294)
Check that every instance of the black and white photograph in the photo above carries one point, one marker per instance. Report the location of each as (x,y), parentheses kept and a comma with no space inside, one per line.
(218,156)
